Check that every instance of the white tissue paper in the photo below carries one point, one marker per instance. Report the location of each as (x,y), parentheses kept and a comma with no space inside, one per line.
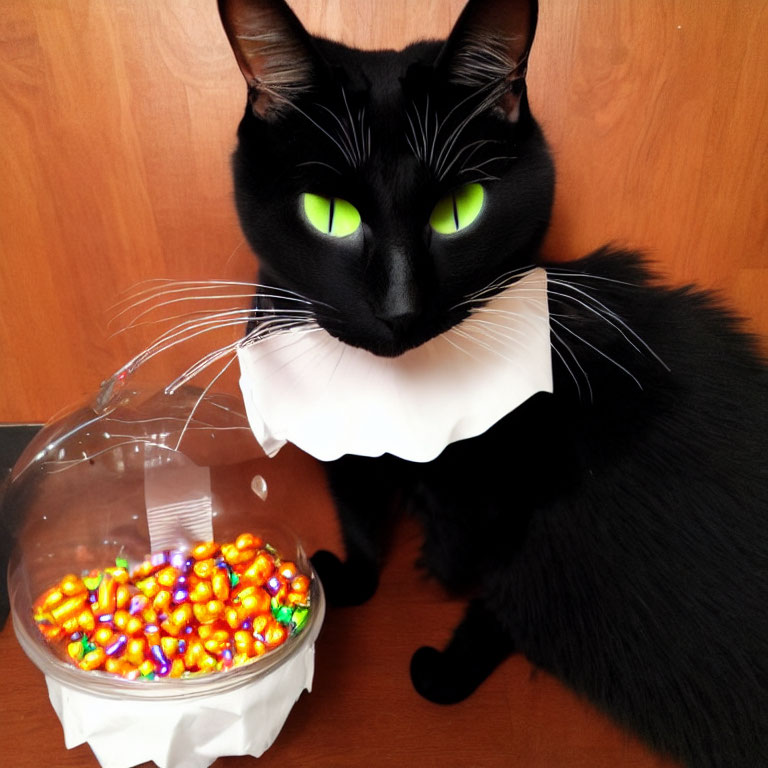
(189,732)
(331,399)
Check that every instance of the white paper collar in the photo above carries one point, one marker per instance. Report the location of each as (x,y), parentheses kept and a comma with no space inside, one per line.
(331,399)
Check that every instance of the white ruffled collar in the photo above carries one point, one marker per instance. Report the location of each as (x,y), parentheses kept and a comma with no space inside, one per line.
(330,399)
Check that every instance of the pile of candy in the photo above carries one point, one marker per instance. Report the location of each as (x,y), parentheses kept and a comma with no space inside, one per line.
(178,613)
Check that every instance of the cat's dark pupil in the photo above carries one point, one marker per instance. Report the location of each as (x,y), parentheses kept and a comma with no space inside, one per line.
(455,212)
(330,214)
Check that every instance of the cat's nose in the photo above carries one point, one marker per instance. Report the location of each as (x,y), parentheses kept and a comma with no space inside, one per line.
(399,323)
(399,305)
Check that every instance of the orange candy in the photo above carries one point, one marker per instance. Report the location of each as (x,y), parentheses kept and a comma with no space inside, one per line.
(93,659)
(106,596)
(204,550)
(235,602)
(248,541)
(86,621)
(259,570)
(220,585)
(122,595)
(204,569)
(136,650)
(68,608)
(202,592)
(72,585)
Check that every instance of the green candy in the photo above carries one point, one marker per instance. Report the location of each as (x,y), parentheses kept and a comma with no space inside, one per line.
(282,613)
(300,616)
(121,562)
(92,582)
(88,646)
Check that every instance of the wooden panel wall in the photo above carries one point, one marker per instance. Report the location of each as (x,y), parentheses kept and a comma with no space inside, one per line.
(117,119)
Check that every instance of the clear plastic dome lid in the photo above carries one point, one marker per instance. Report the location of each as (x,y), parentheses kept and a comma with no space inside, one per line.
(124,485)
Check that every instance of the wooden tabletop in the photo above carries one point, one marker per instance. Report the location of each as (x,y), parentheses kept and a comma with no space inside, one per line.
(362,710)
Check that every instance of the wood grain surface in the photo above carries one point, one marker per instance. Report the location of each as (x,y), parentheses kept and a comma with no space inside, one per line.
(117,120)
(363,711)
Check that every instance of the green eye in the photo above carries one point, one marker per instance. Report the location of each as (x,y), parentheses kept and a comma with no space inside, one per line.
(331,215)
(457,210)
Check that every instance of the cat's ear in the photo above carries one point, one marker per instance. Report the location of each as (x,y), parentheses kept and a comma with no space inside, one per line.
(274,51)
(488,49)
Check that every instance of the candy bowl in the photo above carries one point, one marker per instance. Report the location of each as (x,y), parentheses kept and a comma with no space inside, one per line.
(155,583)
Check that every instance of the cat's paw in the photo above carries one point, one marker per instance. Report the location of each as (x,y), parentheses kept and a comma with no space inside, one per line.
(345,583)
(438,680)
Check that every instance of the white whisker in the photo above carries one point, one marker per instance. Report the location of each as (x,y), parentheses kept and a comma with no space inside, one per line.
(200,399)
(478,342)
(486,177)
(210,358)
(599,351)
(607,315)
(497,285)
(251,313)
(499,332)
(162,283)
(614,316)
(344,152)
(319,162)
(356,143)
(568,368)
(572,273)
(150,295)
(248,312)
(450,142)
(473,146)
(415,151)
(455,344)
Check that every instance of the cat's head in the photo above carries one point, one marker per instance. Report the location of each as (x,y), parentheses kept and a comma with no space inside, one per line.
(386,187)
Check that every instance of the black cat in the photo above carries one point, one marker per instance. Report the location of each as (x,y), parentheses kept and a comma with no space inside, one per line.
(621,519)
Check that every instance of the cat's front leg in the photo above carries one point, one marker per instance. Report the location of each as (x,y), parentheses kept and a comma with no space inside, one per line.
(479,644)
(364,490)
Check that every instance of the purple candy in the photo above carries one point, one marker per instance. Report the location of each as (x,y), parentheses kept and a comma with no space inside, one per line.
(247,624)
(151,629)
(137,604)
(117,647)
(158,654)
(106,618)
(164,666)
(158,558)
(180,595)
(273,586)
(178,560)
(182,646)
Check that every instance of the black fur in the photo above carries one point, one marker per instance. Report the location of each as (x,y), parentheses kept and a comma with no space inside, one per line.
(621,518)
